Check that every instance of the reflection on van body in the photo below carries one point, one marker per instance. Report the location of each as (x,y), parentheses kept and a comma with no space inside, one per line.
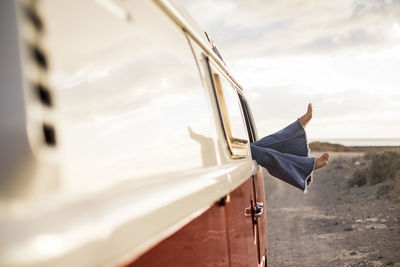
(128,153)
(207,148)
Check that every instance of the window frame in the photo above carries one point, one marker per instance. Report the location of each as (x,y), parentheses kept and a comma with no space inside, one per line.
(251,128)
(237,147)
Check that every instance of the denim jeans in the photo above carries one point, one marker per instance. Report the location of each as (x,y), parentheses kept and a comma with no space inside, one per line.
(285,154)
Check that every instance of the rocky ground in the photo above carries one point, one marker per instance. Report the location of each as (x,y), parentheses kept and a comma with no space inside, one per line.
(333,224)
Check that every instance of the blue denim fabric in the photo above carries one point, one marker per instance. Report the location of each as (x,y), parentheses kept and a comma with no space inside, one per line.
(285,154)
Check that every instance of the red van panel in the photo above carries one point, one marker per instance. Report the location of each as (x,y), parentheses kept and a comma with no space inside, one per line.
(202,242)
(242,232)
(222,236)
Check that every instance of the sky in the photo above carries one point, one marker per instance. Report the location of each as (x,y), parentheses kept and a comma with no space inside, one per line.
(343,56)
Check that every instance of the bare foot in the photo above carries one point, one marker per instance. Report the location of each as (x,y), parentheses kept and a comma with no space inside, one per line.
(322,161)
(306,117)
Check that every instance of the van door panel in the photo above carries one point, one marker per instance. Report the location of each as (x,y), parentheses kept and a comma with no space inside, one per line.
(202,242)
(242,233)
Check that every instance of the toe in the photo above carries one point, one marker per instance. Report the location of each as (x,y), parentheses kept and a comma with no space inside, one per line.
(309,108)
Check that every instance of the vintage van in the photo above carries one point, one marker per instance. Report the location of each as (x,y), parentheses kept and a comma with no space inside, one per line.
(124,140)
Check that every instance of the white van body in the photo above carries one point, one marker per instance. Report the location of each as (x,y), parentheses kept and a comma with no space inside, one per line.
(115,135)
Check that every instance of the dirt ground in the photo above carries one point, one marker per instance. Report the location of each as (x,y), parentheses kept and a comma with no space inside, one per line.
(333,224)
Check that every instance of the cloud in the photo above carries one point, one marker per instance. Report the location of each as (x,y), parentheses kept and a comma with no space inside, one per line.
(340,55)
(271,28)
(350,112)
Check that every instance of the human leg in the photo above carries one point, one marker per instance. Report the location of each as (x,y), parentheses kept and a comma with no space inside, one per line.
(305,119)
(291,139)
(293,169)
(285,154)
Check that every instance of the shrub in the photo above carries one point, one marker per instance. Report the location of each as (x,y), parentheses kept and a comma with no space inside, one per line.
(359,178)
(369,155)
(396,186)
(325,146)
(382,166)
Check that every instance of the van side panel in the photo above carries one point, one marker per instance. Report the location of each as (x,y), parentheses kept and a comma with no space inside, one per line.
(137,145)
(202,242)
(127,94)
(242,233)
(133,136)
(221,235)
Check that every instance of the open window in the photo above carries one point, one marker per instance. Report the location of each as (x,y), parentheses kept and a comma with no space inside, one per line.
(251,128)
(231,115)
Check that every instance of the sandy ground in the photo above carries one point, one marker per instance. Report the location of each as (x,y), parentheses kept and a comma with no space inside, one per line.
(333,224)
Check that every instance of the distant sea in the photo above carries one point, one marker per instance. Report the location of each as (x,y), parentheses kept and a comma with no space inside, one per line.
(361,141)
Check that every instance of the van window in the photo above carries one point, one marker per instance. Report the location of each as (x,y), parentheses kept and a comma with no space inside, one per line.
(232,117)
(251,129)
